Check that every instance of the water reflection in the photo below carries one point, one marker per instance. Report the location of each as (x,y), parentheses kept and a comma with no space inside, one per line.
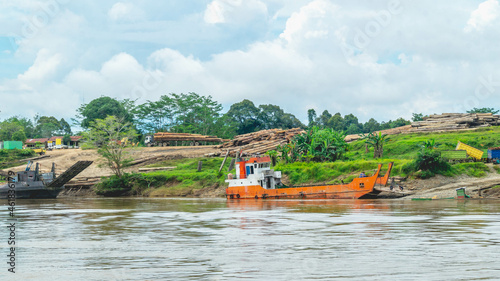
(215,239)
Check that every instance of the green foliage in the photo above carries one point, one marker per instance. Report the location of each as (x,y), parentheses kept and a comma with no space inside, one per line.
(407,146)
(9,129)
(101,108)
(19,136)
(8,157)
(248,118)
(66,139)
(429,162)
(417,117)
(48,126)
(483,110)
(183,178)
(107,135)
(315,145)
(334,172)
(377,142)
(473,169)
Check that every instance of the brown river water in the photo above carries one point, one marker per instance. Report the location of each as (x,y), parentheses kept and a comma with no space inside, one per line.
(215,239)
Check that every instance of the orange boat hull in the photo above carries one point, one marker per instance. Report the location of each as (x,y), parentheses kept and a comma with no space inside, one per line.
(358,188)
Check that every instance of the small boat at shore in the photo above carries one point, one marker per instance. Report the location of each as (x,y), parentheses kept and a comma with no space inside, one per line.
(255,179)
(31,184)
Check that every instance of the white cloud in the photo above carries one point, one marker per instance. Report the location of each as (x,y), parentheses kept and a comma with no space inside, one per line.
(125,12)
(44,67)
(483,16)
(234,11)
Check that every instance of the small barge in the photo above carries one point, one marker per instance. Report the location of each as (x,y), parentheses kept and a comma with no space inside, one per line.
(32,184)
(255,179)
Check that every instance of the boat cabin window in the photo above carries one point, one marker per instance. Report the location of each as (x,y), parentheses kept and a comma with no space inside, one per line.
(250,170)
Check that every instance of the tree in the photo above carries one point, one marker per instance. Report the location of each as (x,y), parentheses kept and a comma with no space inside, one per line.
(417,117)
(156,116)
(9,128)
(273,117)
(19,136)
(336,122)
(349,120)
(47,126)
(107,135)
(483,110)
(377,142)
(65,127)
(311,117)
(66,139)
(371,126)
(101,108)
(195,113)
(323,119)
(245,114)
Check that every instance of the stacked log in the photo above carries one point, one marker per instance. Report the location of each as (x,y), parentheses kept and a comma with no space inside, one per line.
(258,142)
(164,137)
(82,181)
(454,122)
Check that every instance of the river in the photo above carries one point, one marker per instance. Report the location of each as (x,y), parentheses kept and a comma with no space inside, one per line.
(215,239)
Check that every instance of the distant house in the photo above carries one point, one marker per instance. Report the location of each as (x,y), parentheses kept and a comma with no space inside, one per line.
(75,141)
(31,143)
(55,142)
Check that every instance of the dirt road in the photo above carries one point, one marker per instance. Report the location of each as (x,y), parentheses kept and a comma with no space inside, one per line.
(64,158)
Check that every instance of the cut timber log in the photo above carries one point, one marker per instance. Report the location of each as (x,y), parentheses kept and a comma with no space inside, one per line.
(156,169)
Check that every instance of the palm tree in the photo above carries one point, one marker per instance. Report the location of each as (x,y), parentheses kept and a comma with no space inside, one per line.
(377,141)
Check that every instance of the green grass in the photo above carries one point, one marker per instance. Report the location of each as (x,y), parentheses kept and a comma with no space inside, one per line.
(304,173)
(497,169)
(177,182)
(405,146)
(9,157)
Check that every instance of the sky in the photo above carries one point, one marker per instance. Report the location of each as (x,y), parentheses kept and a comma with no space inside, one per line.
(382,59)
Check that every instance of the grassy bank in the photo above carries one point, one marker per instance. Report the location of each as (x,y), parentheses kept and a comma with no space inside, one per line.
(406,146)
(184,180)
(9,157)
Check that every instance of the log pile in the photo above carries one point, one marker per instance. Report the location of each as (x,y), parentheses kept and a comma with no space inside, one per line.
(454,122)
(258,142)
(82,181)
(164,137)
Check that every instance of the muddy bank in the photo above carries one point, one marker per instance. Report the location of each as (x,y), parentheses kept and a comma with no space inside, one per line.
(214,191)
(445,187)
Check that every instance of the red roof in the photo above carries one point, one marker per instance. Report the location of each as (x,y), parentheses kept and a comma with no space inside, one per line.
(75,138)
(55,137)
(36,140)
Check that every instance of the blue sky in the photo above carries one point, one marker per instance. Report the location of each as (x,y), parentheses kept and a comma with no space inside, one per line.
(381,59)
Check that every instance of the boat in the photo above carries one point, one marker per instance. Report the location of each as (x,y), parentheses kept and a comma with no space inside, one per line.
(255,179)
(31,184)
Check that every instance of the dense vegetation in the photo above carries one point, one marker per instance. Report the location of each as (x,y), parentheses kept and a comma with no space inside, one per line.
(184,180)
(8,158)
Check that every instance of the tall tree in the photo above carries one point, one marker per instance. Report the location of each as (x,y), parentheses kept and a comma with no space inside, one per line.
(323,119)
(100,108)
(371,126)
(245,114)
(273,117)
(336,122)
(311,118)
(110,136)
(195,113)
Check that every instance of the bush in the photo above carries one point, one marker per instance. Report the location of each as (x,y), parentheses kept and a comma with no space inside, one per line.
(428,163)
